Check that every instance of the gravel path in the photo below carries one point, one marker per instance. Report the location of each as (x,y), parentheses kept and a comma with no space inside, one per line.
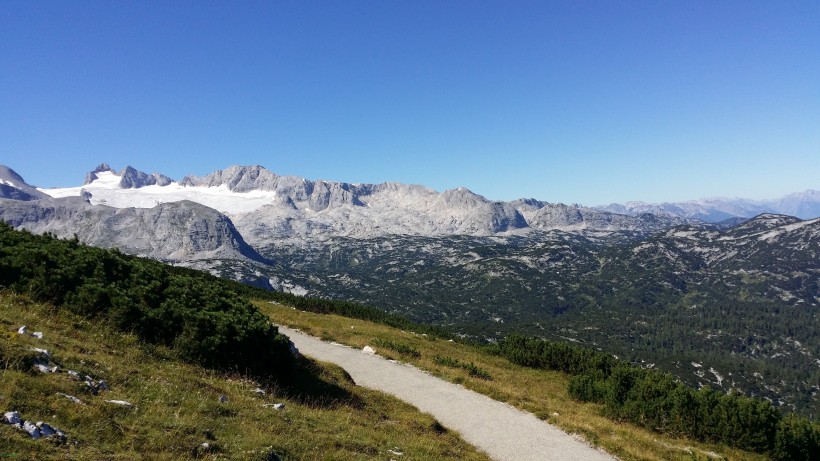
(501,431)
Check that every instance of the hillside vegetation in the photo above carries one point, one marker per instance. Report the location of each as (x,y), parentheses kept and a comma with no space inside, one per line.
(544,378)
(133,359)
(176,406)
(205,323)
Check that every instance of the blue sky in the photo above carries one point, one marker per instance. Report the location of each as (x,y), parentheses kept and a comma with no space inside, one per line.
(577,101)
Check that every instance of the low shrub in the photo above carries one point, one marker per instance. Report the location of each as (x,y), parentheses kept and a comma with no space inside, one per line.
(402,349)
(659,402)
(205,323)
(471,368)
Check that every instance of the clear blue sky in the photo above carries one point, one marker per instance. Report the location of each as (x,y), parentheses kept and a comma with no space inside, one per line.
(566,101)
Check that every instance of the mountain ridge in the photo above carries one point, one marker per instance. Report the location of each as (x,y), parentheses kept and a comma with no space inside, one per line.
(345,209)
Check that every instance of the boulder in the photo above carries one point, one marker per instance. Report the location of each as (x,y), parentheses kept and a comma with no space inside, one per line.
(12,417)
(32,429)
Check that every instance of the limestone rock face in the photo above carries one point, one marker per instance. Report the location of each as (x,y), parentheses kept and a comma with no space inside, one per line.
(575,217)
(170,231)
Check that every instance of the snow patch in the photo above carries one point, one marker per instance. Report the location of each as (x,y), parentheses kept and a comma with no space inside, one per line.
(105,190)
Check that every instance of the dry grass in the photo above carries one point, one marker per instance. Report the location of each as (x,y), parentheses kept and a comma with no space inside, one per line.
(176,405)
(540,392)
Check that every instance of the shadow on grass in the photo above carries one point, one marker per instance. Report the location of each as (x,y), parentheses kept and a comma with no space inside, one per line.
(319,386)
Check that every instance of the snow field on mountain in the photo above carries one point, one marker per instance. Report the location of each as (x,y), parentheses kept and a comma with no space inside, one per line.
(106,191)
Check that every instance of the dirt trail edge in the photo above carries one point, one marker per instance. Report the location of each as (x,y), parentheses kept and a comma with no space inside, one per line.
(503,432)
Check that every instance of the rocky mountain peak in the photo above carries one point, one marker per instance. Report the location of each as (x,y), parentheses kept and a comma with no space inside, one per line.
(9,175)
(91,176)
(462,197)
(237,178)
(13,186)
(527,204)
(131,178)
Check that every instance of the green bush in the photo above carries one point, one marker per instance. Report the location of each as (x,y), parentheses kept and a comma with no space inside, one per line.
(205,322)
(660,402)
(402,349)
(471,368)
(796,439)
(588,387)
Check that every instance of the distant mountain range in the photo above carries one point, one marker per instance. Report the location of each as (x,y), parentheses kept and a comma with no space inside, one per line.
(391,208)
(720,292)
(804,205)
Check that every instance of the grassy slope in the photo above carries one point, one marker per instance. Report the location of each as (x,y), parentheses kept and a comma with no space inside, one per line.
(543,393)
(176,405)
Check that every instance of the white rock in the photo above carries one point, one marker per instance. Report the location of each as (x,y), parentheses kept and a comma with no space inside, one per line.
(41,351)
(91,387)
(70,397)
(102,385)
(120,402)
(259,391)
(37,334)
(45,368)
(73,374)
(32,429)
(275,406)
(12,417)
(22,330)
(45,429)
(368,350)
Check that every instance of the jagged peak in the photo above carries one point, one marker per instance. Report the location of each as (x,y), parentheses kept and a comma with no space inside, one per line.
(238,178)
(91,176)
(529,202)
(130,178)
(102,167)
